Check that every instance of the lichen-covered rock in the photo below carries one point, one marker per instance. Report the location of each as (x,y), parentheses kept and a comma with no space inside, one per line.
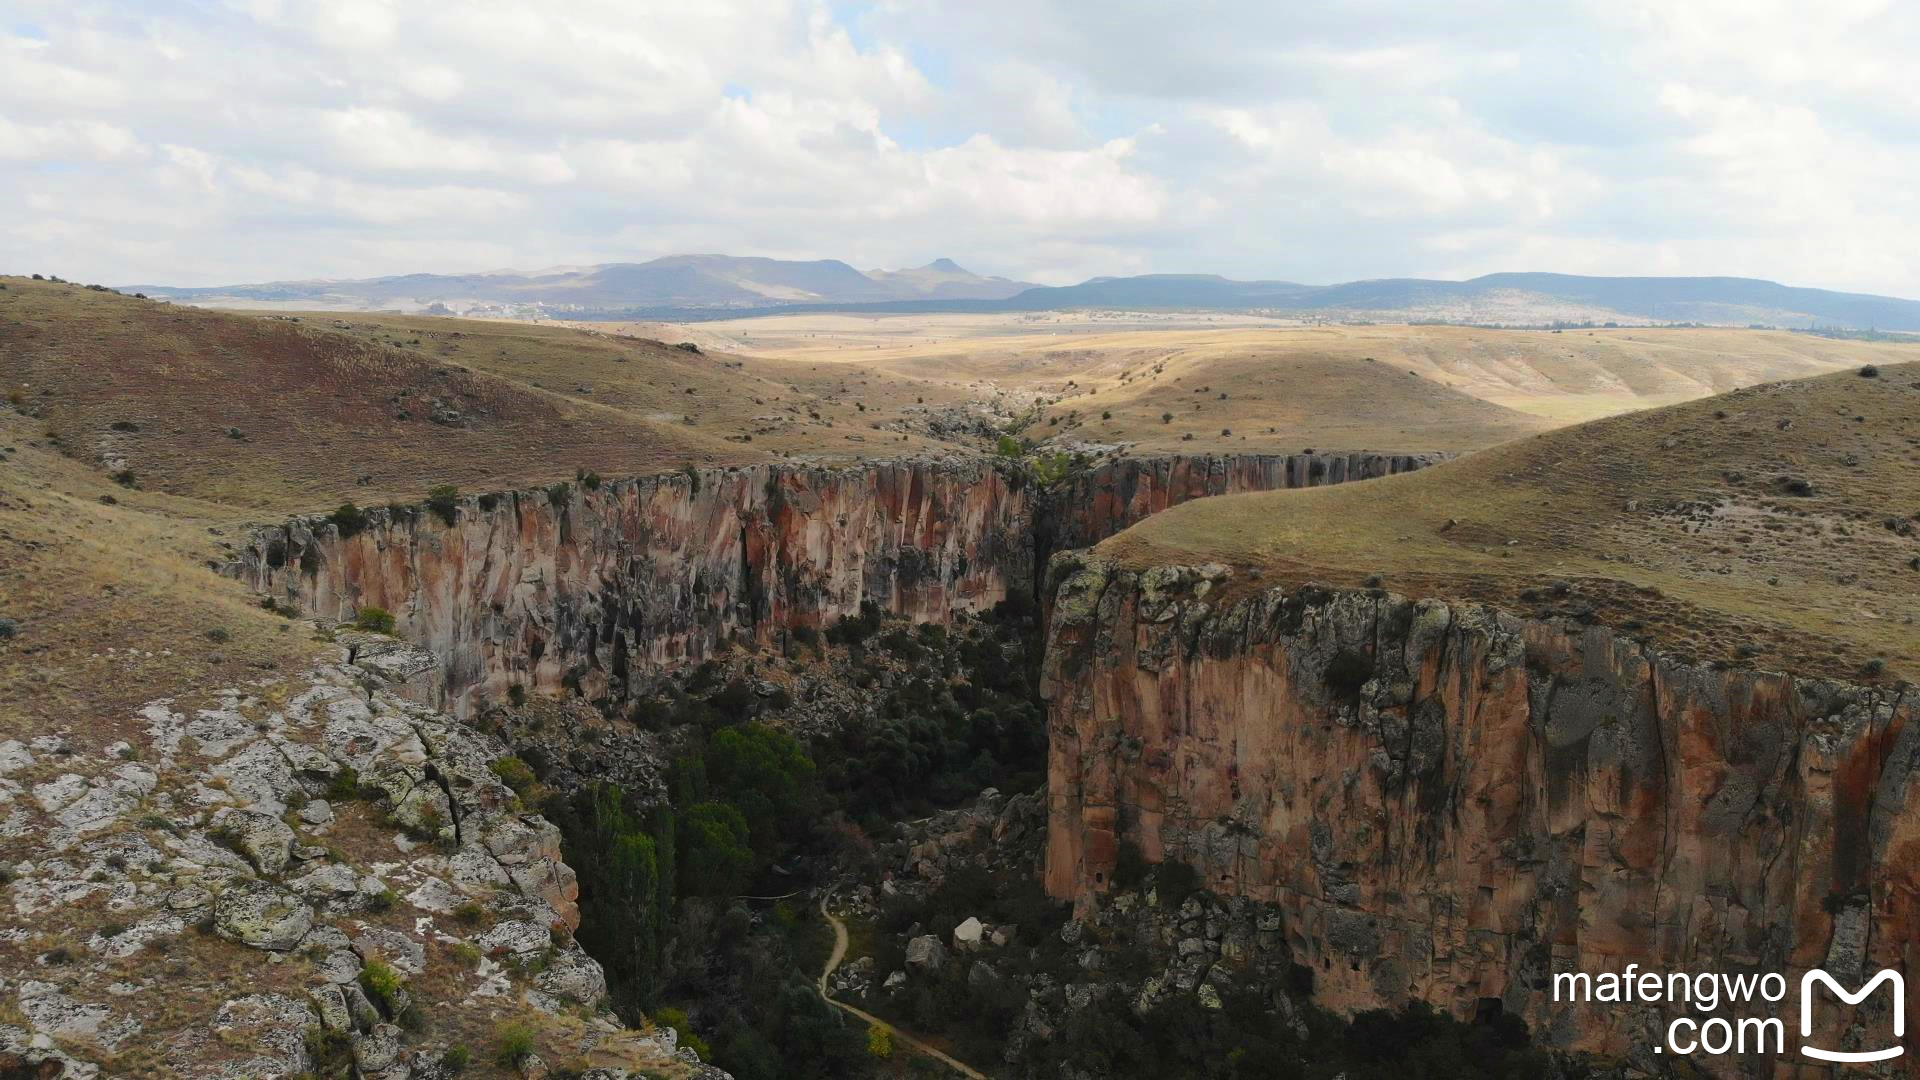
(261,914)
(266,841)
(213,821)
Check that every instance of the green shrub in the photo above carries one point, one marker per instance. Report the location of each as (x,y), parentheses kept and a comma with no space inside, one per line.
(344,786)
(515,773)
(559,493)
(677,1020)
(348,519)
(381,983)
(378,620)
(514,1044)
(331,1052)
(444,501)
(456,1057)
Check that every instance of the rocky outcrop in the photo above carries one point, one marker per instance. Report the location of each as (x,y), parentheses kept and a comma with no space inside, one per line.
(1444,802)
(596,588)
(305,876)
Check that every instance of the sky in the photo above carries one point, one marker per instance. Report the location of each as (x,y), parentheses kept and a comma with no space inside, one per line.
(199,142)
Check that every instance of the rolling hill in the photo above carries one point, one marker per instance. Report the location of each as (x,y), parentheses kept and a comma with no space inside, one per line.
(1777,526)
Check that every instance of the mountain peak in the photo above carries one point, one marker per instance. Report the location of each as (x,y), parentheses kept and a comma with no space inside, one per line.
(945,266)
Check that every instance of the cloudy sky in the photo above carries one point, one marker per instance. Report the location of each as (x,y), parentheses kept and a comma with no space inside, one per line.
(212,141)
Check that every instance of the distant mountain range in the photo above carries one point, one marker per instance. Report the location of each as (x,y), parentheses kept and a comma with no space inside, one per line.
(695,282)
(724,286)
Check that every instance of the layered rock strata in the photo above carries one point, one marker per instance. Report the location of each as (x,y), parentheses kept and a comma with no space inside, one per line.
(594,588)
(1450,803)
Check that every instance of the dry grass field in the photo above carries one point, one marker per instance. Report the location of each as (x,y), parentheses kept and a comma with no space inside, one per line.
(113,602)
(1776,526)
(265,414)
(1115,377)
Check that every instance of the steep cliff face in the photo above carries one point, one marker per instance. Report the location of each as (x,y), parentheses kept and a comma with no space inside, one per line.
(1451,804)
(1102,501)
(598,587)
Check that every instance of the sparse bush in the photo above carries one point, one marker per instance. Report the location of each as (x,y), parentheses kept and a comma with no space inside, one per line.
(516,695)
(9,628)
(1874,668)
(344,786)
(381,983)
(444,501)
(125,478)
(1106,414)
(470,912)
(330,1052)
(455,1058)
(687,346)
(348,519)
(880,1042)
(515,773)
(559,493)
(376,620)
(219,635)
(1166,418)
(590,480)
(513,1045)
(1870,372)
(677,1020)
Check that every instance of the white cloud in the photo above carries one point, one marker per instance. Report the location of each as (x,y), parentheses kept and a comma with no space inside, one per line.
(1051,139)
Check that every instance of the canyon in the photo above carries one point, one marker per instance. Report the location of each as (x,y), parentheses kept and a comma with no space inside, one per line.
(596,587)
(1450,803)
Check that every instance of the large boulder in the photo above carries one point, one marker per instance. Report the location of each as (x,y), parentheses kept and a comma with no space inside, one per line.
(262,839)
(926,954)
(261,914)
(968,935)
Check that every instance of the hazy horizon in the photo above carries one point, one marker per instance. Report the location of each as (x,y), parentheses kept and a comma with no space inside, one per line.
(206,144)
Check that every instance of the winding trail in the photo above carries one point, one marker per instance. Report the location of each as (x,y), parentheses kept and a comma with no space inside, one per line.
(833,961)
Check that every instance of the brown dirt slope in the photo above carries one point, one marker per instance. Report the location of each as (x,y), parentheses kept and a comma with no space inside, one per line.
(1263,401)
(264,413)
(1776,526)
(810,408)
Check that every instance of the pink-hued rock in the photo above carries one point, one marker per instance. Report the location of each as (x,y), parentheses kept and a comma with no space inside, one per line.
(1450,803)
(600,587)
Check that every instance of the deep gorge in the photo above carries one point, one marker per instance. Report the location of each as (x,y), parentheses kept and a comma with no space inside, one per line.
(1442,803)
(595,588)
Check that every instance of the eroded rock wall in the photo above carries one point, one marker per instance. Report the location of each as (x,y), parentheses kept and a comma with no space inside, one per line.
(1450,803)
(593,587)
(596,588)
(1102,501)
